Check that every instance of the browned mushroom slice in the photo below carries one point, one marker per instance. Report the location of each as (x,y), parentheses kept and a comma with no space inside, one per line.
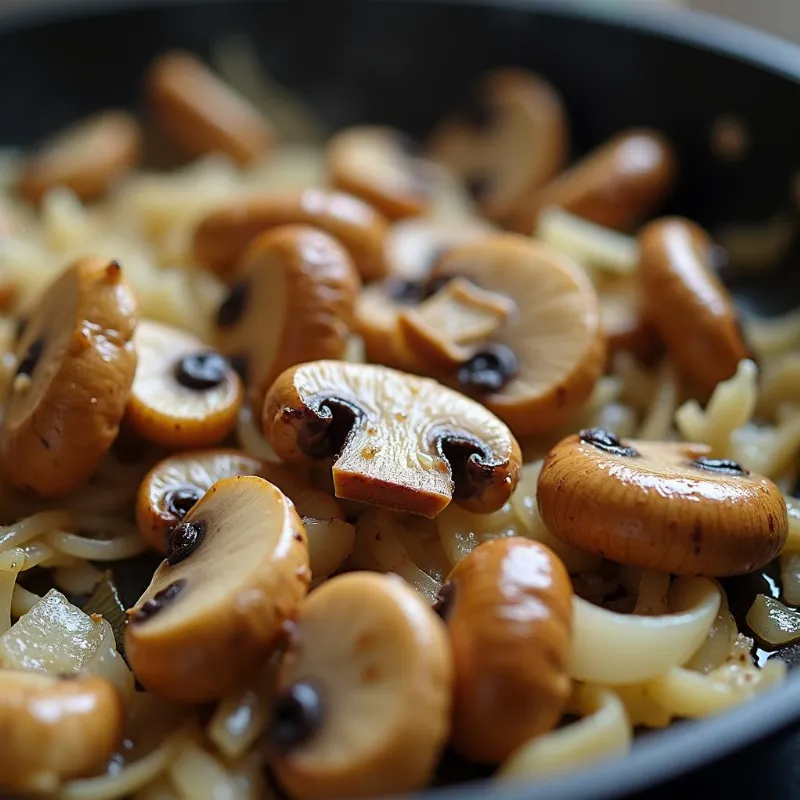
(293,303)
(381,166)
(75,366)
(616,185)
(86,158)
(510,139)
(516,324)
(202,114)
(660,505)
(55,728)
(184,394)
(236,571)
(399,441)
(508,608)
(222,237)
(363,704)
(688,303)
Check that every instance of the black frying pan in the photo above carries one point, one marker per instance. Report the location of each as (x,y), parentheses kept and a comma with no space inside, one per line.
(403,63)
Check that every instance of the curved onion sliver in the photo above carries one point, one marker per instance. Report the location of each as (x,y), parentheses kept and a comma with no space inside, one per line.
(611,648)
(604,732)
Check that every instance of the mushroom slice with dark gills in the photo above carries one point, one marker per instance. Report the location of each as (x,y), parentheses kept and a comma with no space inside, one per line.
(75,366)
(184,393)
(515,324)
(364,691)
(293,303)
(236,572)
(399,441)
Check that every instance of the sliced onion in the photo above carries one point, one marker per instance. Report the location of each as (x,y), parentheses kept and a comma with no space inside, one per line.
(719,642)
(790,576)
(612,649)
(330,542)
(773,622)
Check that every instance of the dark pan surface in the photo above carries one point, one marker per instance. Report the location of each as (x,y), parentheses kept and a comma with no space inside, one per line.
(403,63)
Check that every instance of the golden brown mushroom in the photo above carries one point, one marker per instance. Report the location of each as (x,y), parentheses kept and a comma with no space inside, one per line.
(399,441)
(688,303)
(201,114)
(517,325)
(660,505)
(54,728)
(364,691)
(222,236)
(293,303)
(76,363)
(510,139)
(380,165)
(184,394)
(236,572)
(86,158)
(508,609)
(617,185)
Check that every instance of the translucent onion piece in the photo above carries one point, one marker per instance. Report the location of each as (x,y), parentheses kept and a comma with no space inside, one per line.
(197,775)
(641,708)
(22,601)
(773,622)
(11,563)
(719,643)
(330,542)
(790,576)
(603,732)
(461,531)
(657,422)
(612,649)
(250,437)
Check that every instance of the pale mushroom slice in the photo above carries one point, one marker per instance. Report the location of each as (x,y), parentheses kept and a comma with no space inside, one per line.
(235,574)
(173,486)
(293,302)
(75,366)
(202,114)
(222,236)
(382,167)
(184,393)
(54,728)
(688,303)
(508,609)
(364,691)
(87,158)
(509,139)
(399,441)
(515,324)
(664,506)
(617,185)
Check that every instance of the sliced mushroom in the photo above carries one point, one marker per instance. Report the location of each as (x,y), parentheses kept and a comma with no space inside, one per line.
(76,363)
(293,303)
(401,442)
(660,505)
(236,572)
(222,236)
(509,139)
(508,609)
(201,114)
(55,728)
(517,325)
(364,692)
(617,185)
(184,394)
(626,324)
(381,166)
(86,158)
(688,303)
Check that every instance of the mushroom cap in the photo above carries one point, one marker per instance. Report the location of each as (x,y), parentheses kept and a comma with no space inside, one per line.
(222,236)
(379,165)
(236,573)
(618,184)
(379,659)
(87,158)
(173,403)
(76,366)
(54,728)
(553,329)
(512,138)
(508,609)
(399,441)
(649,504)
(293,303)
(688,303)
(202,114)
